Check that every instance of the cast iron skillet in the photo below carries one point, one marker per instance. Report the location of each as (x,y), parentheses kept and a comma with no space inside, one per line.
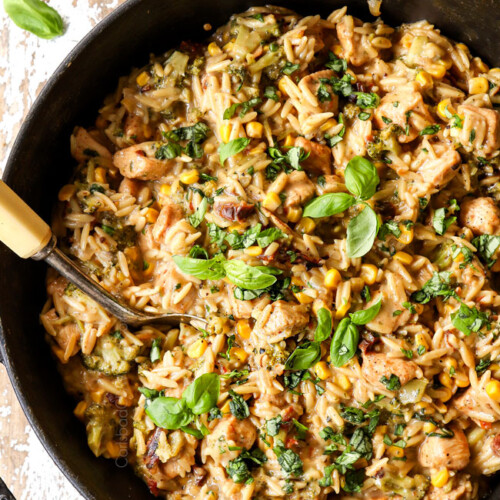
(40,164)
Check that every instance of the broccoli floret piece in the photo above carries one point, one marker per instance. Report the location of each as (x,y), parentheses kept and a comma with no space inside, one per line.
(101,425)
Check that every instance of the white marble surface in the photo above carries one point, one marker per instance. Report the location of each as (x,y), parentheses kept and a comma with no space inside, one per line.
(26,62)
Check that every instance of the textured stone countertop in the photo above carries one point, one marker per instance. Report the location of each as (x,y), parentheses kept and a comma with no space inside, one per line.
(26,63)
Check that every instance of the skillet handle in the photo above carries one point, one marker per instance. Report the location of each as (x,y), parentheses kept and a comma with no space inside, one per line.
(21,229)
(5,493)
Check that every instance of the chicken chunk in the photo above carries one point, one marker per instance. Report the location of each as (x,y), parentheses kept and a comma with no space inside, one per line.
(404,107)
(229,432)
(461,489)
(134,128)
(139,162)
(131,187)
(313,82)
(356,48)
(452,453)
(285,320)
(170,213)
(319,160)
(169,280)
(84,146)
(298,189)
(480,131)
(393,294)
(439,168)
(378,365)
(476,406)
(232,209)
(481,215)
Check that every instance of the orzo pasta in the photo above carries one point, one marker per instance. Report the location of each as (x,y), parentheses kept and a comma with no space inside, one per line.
(324,192)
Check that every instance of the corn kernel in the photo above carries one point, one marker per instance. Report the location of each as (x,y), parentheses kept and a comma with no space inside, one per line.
(66,192)
(429,427)
(441,478)
(229,46)
(152,215)
(272,201)
(481,65)
(493,390)
(254,130)
(353,76)
(342,310)
(406,236)
(240,228)
(424,79)
(100,175)
(328,125)
(148,269)
(445,394)
(297,281)
(97,396)
(225,408)
(437,70)
(445,379)
(243,328)
(165,189)
(403,257)
(253,251)
(461,379)
(369,273)
(478,85)
(424,407)
(294,214)
(395,452)
(445,108)
(321,370)
(450,362)
(381,429)
(289,141)
(225,132)
(494,366)
(142,79)
(462,46)
(303,298)
(197,348)
(337,49)
(239,353)
(343,382)
(306,225)
(80,409)
(214,49)
(190,177)
(421,340)
(332,278)
(282,86)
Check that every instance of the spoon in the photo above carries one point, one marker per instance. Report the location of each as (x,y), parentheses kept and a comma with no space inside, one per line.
(26,234)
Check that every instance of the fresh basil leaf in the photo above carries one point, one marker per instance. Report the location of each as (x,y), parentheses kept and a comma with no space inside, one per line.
(197,218)
(361,233)
(290,68)
(149,393)
(155,353)
(469,319)
(440,222)
(365,100)
(229,112)
(487,246)
(245,240)
(169,413)
(248,277)
(324,328)
(328,204)
(437,286)
(168,151)
(392,383)
(361,177)
(35,16)
(194,432)
(290,461)
(364,316)
(266,237)
(430,130)
(273,425)
(232,147)
(271,93)
(336,64)
(344,343)
(238,406)
(295,156)
(198,251)
(202,394)
(354,480)
(304,357)
(211,269)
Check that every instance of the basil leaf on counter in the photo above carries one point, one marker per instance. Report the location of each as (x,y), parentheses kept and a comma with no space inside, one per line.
(202,394)
(304,357)
(35,16)
(324,328)
(364,316)
(344,343)
(232,147)
(361,232)
(361,177)
(248,277)
(211,269)
(329,204)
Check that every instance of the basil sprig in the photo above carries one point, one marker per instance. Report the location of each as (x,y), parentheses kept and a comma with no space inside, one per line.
(232,147)
(305,356)
(361,179)
(238,273)
(35,16)
(324,327)
(346,337)
(199,397)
